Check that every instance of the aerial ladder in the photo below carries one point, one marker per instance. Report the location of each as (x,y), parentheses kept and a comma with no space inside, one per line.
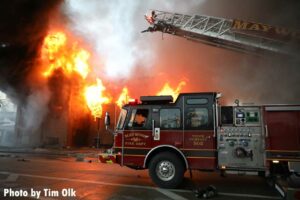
(248,37)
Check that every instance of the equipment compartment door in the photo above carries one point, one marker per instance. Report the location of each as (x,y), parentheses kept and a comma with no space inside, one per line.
(199,140)
(282,124)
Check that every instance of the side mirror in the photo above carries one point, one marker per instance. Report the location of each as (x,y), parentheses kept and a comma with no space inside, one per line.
(107,123)
(107,119)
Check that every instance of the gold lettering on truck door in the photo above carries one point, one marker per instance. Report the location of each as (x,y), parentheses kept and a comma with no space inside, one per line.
(198,140)
(135,139)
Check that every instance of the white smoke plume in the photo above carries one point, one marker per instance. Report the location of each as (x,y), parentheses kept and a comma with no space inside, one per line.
(30,118)
(35,109)
(147,61)
(20,121)
(114,27)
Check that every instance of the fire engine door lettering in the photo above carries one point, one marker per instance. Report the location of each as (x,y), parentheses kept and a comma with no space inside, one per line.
(135,139)
(198,140)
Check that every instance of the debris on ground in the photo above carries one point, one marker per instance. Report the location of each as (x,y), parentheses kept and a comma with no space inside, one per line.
(206,193)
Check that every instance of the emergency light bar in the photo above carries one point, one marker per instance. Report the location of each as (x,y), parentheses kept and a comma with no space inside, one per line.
(163,99)
(133,102)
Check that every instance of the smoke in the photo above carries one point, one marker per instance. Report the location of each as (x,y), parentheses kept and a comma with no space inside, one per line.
(252,79)
(33,114)
(23,25)
(144,62)
(114,27)
(8,112)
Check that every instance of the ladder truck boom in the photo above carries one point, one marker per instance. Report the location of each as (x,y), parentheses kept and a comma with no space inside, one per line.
(227,33)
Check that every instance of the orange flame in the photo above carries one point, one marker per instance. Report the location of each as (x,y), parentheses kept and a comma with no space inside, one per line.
(123,98)
(95,98)
(60,55)
(167,90)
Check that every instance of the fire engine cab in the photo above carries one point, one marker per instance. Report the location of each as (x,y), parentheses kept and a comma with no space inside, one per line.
(197,133)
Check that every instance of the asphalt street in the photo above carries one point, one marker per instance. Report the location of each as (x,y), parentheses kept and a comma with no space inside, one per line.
(69,177)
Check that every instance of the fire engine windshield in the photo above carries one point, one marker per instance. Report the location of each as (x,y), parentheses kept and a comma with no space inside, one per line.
(121,119)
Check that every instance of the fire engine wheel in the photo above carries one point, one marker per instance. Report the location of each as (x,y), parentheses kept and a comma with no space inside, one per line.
(166,170)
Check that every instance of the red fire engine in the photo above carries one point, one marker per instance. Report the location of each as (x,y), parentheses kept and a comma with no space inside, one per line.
(196,133)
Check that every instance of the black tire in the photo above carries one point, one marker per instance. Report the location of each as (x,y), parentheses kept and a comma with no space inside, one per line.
(173,168)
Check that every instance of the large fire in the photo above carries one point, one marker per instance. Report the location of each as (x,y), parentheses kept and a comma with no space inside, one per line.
(123,98)
(59,53)
(68,57)
(63,55)
(95,98)
(168,90)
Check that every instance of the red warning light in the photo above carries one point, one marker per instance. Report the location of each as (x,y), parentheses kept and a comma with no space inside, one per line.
(133,101)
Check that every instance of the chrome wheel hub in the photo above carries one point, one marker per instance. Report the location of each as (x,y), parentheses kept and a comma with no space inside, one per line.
(165,170)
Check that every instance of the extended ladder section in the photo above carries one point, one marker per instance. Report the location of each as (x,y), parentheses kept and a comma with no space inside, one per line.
(231,34)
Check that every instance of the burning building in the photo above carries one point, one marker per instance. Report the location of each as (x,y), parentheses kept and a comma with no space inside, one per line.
(55,102)
(63,73)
